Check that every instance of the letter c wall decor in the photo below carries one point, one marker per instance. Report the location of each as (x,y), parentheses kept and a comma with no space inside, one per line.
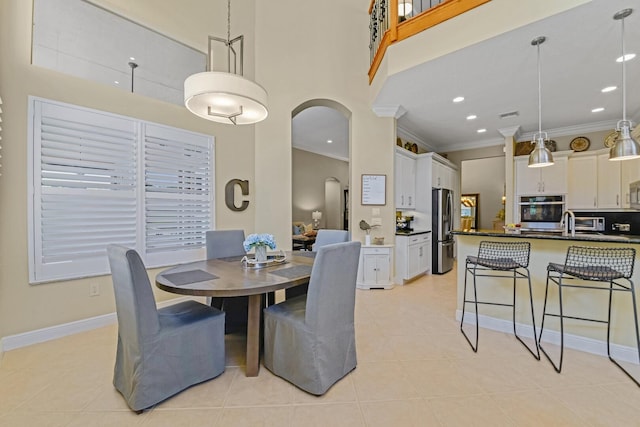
(229,194)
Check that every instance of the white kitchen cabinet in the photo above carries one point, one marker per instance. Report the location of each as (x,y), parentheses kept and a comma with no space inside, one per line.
(405,181)
(413,256)
(583,182)
(629,172)
(374,269)
(547,180)
(608,182)
(442,176)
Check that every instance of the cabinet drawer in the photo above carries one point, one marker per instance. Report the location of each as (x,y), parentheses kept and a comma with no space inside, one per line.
(420,238)
(375,251)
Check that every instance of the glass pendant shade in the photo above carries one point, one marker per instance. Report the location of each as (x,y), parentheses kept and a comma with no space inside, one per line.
(404,8)
(540,156)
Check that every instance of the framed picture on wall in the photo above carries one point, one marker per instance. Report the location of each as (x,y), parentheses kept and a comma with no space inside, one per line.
(374,190)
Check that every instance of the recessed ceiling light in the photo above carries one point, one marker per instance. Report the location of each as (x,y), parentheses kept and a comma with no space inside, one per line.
(458,99)
(131,58)
(481,130)
(609,89)
(627,57)
(329,141)
(472,117)
(116,82)
(597,110)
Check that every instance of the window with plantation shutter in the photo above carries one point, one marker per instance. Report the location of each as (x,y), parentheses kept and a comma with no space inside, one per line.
(99,178)
(177,182)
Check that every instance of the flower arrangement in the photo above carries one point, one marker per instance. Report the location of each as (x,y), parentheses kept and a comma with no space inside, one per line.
(256,240)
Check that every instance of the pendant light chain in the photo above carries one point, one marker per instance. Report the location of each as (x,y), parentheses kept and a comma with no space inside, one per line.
(229,21)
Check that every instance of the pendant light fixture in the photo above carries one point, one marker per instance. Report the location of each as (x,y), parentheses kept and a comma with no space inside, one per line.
(540,156)
(404,7)
(226,97)
(625,147)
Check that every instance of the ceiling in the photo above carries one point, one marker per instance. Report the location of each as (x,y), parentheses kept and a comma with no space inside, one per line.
(500,75)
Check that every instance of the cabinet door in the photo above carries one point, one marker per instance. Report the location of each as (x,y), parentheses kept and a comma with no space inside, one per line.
(425,257)
(436,174)
(409,182)
(583,183)
(527,179)
(369,269)
(398,175)
(414,261)
(383,272)
(629,172)
(554,177)
(608,183)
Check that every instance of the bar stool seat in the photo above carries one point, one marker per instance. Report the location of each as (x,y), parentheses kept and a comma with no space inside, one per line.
(508,260)
(613,267)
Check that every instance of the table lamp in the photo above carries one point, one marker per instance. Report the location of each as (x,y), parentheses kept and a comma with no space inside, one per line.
(316,216)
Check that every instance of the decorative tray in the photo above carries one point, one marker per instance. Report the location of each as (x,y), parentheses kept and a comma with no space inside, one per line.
(275,259)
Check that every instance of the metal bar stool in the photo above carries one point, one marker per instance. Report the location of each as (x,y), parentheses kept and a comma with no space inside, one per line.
(608,265)
(510,258)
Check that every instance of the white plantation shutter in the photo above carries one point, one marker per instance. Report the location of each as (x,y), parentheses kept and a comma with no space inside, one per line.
(91,188)
(178,190)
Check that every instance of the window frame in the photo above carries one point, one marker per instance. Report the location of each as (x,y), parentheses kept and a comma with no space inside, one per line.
(42,272)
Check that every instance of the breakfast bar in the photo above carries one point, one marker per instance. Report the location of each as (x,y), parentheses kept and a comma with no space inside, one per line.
(546,248)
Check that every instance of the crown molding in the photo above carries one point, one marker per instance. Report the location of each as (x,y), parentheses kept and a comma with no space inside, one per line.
(473,145)
(573,130)
(396,111)
(405,134)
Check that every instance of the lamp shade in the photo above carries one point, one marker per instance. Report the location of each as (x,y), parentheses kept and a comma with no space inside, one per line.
(540,156)
(625,146)
(225,97)
(316,215)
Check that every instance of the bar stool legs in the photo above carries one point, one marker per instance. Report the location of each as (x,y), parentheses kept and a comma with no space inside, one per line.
(605,265)
(499,257)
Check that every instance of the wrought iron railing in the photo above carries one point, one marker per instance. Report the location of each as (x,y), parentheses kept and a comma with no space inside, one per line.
(389,23)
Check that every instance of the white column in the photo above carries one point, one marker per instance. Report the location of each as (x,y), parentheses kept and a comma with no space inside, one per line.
(510,135)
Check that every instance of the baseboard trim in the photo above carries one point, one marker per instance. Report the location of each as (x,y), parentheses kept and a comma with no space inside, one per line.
(12,342)
(576,342)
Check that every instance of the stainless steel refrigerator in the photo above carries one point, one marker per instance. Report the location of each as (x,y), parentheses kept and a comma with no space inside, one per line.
(442,223)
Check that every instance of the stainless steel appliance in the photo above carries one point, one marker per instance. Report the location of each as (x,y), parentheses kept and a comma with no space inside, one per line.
(634,194)
(587,223)
(442,223)
(542,213)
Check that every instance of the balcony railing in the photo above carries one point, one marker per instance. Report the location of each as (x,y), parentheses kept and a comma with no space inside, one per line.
(395,20)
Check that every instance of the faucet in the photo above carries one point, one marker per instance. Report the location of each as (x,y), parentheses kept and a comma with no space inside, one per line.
(568,225)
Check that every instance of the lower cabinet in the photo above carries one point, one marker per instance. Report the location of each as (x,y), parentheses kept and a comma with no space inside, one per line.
(413,256)
(374,270)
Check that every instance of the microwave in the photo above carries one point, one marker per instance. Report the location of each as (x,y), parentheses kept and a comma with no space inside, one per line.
(634,195)
(589,223)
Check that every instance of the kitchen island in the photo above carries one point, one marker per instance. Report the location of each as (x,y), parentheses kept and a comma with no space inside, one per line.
(546,248)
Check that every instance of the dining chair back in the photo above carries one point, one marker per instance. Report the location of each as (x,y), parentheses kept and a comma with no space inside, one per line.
(318,325)
(160,352)
(225,244)
(329,237)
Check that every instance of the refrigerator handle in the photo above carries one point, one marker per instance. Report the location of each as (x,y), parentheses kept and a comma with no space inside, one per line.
(449,213)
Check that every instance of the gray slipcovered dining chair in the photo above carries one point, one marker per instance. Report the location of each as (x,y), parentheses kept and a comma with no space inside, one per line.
(309,340)
(329,237)
(160,352)
(323,238)
(225,244)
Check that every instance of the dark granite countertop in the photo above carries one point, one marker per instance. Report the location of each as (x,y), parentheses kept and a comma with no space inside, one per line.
(580,236)
(412,233)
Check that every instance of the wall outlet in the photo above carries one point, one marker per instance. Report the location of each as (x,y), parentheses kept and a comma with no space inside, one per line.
(94,289)
(376,221)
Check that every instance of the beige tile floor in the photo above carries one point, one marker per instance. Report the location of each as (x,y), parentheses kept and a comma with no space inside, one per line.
(414,369)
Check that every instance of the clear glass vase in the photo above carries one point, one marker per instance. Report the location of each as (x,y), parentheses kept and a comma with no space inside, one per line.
(261,253)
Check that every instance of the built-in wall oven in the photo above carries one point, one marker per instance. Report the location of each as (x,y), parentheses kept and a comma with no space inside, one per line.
(541,212)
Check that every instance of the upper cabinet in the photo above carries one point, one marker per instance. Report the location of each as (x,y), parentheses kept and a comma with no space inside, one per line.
(405,180)
(583,183)
(547,180)
(608,182)
(442,176)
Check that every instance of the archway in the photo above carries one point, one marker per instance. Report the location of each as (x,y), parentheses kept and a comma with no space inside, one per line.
(320,138)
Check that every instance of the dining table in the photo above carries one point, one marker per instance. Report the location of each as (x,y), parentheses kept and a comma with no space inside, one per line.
(238,276)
